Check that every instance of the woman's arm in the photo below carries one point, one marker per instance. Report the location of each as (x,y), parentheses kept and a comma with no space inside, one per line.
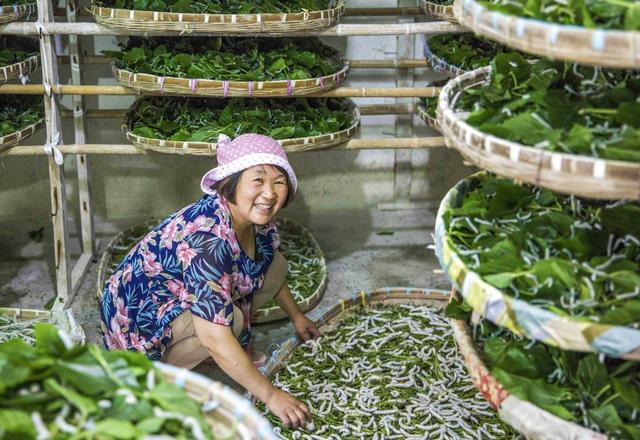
(303,325)
(229,355)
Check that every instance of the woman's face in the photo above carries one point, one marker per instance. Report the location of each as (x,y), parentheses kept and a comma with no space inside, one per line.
(261,192)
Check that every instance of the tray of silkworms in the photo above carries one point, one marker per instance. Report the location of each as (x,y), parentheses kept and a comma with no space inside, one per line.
(385,367)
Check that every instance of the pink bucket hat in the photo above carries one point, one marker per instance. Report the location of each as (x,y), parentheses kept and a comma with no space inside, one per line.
(246,151)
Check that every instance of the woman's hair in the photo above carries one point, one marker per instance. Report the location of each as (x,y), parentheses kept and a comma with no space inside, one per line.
(227,187)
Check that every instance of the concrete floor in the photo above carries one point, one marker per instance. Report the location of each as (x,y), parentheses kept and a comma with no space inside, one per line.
(358,258)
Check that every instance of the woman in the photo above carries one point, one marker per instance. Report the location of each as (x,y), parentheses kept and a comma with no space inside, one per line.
(186,291)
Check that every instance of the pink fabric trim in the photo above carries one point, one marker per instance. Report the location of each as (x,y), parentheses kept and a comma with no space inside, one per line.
(162,84)
(225,88)
(250,88)
(289,87)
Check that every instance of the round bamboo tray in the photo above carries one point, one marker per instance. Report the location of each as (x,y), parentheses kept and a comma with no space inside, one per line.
(63,320)
(440,65)
(17,12)
(209,148)
(229,415)
(435,10)
(270,314)
(137,232)
(18,70)
(427,118)
(145,82)
(583,176)
(159,23)
(531,421)
(326,319)
(522,318)
(12,139)
(598,47)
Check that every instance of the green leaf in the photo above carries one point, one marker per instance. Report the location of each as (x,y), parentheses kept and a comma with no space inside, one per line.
(17,424)
(629,392)
(592,374)
(119,429)
(606,417)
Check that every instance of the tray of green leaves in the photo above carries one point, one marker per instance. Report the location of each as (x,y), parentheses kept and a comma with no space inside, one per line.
(20,117)
(219,17)
(426,108)
(228,67)
(18,58)
(598,33)
(569,128)
(56,389)
(20,323)
(386,366)
(192,125)
(439,9)
(456,54)
(306,271)
(558,269)
(14,10)
(307,276)
(544,392)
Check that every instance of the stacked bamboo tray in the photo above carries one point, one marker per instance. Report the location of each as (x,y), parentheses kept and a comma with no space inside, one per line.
(575,175)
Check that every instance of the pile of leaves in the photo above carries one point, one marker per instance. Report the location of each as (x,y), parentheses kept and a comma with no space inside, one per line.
(605,14)
(218,6)
(231,59)
(13,50)
(465,51)
(18,112)
(391,372)
(577,387)
(559,107)
(564,254)
(202,119)
(58,390)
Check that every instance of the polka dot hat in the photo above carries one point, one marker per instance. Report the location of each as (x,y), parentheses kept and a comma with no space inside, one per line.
(246,151)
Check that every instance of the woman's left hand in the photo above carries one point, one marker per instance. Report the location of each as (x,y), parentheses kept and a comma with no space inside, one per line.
(305,328)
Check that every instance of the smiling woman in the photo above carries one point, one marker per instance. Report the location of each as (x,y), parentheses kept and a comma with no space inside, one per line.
(186,291)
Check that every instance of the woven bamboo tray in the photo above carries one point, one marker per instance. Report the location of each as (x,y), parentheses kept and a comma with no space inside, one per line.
(598,47)
(427,118)
(531,421)
(145,82)
(159,23)
(137,232)
(17,12)
(326,319)
(12,139)
(229,415)
(63,320)
(17,70)
(522,318)
(440,65)
(209,148)
(583,176)
(270,314)
(441,12)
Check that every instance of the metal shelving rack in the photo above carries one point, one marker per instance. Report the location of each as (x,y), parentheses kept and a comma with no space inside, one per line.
(68,278)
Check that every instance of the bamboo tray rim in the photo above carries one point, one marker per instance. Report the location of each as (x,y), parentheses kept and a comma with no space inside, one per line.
(218,397)
(20,135)
(320,317)
(439,11)
(290,145)
(561,41)
(172,17)
(426,117)
(15,12)
(458,133)
(15,70)
(564,332)
(270,314)
(537,422)
(221,88)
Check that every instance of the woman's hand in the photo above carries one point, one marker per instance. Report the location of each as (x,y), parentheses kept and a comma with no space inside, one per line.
(292,412)
(305,328)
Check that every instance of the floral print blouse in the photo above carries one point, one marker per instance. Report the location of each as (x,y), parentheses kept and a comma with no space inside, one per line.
(191,261)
